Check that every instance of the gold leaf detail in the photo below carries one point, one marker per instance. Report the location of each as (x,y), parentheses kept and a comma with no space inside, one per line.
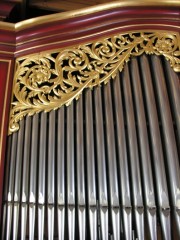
(47,81)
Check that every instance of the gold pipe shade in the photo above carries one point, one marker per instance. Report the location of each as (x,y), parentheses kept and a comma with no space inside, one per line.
(48,80)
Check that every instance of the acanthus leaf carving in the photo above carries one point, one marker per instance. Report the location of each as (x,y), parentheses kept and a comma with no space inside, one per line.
(46,81)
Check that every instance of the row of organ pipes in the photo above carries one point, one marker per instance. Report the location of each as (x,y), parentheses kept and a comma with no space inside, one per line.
(105,167)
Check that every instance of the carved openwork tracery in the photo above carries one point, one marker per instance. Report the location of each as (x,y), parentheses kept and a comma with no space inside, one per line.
(46,81)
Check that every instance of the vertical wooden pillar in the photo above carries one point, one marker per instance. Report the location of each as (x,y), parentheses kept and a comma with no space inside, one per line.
(6,72)
(6,79)
(7,50)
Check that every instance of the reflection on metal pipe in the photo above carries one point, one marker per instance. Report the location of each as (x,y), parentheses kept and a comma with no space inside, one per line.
(61,222)
(112,164)
(60,174)
(51,174)
(25,177)
(80,169)
(169,137)
(148,190)
(70,172)
(134,156)
(173,84)
(91,174)
(42,175)
(33,174)
(101,165)
(157,151)
(17,180)
(60,159)
(122,160)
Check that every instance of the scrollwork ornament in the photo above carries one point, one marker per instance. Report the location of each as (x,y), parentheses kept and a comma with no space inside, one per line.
(47,81)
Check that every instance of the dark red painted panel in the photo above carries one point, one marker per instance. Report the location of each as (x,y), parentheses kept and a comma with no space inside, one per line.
(68,32)
(78,23)
(66,39)
(6,68)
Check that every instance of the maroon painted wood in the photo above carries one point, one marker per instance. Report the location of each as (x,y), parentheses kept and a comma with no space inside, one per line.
(6,70)
(67,32)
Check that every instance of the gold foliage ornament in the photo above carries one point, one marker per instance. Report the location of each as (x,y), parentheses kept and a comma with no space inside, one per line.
(46,81)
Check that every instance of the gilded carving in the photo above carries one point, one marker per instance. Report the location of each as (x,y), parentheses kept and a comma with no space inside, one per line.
(46,81)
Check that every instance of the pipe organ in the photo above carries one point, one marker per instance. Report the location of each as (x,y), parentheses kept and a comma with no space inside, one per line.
(93,143)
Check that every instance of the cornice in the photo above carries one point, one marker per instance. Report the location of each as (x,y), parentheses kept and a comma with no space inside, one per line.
(95,9)
(34,22)
(75,27)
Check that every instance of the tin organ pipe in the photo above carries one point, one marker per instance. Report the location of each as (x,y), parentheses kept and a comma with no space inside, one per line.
(169,139)
(134,156)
